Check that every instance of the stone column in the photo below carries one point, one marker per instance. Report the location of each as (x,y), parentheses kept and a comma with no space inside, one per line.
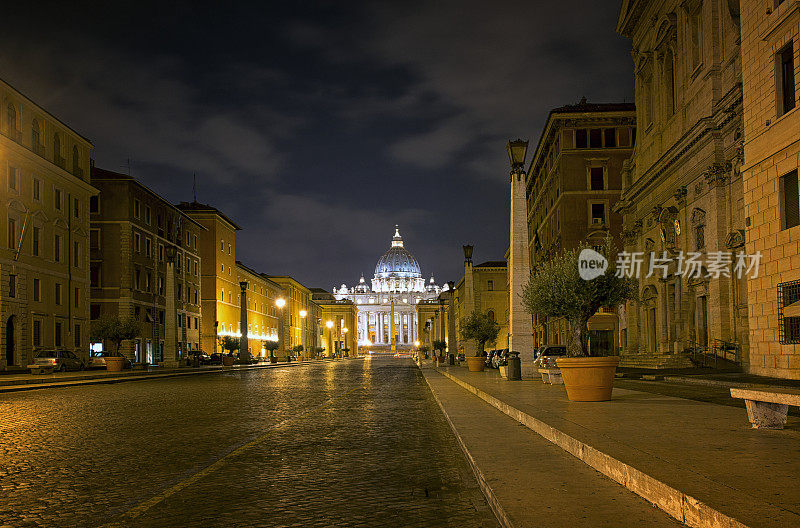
(520,326)
(470,347)
(170,325)
(244,344)
(664,334)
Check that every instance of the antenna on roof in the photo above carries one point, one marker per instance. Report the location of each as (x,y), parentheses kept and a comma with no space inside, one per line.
(128,165)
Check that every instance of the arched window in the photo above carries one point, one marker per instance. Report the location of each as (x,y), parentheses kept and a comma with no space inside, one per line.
(57,148)
(490,315)
(76,163)
(12,118)
(35,135)
(669,82)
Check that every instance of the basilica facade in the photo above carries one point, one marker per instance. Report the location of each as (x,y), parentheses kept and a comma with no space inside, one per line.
(396,288)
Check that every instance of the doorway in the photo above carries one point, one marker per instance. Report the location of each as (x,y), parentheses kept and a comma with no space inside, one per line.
(10,359)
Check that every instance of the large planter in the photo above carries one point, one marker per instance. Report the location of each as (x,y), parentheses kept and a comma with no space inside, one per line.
(475,364)
(227,361)
(115,363)
(588,379)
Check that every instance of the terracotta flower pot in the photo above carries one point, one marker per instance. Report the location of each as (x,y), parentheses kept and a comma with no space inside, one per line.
(115,363)
(475,364)
(227,361)
(588,378)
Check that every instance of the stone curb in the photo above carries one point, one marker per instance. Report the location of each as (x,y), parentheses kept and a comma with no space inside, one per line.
(722,384)
(487,490)
(683,507)
(37,384)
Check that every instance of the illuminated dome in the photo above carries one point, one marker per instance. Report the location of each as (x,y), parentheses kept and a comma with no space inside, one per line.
(397,261)
(362,287)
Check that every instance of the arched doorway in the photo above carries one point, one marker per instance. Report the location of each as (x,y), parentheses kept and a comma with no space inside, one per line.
(10,359)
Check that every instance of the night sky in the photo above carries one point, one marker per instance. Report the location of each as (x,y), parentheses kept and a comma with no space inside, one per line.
(317,126)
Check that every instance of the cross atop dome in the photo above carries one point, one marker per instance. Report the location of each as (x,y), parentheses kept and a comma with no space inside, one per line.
(397,240)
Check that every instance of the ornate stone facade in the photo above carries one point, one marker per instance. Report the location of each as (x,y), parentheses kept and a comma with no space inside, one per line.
(682,189)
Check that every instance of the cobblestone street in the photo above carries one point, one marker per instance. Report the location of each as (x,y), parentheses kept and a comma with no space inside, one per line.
(350,443)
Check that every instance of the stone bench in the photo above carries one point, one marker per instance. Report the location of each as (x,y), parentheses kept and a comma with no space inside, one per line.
(768,408)
(551,376)
(41,369)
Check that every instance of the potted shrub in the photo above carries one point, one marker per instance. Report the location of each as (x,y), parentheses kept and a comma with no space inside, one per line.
(482,329)
(272,346)
(439,346)
(113,328)
(231,344)
(318,352)
(556,289)
(298,351)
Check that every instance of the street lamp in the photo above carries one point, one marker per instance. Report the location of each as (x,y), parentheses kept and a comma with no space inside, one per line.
(329,324)
(303,315)
(344,340)
(516,153)
(280,302)
(520,333)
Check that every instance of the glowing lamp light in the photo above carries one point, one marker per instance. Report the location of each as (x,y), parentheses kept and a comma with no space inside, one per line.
(303,313)
(280,302)
(329,324)
(416,343)
(368,342)
(344,330)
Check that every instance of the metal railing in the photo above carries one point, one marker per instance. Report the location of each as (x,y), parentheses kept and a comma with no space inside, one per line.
(709,355)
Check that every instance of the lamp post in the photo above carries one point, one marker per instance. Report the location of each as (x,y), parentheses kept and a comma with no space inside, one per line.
(244,344)
(280,302)
(170,358)
(344,341)
(329,324)
(520,324)
(303,315)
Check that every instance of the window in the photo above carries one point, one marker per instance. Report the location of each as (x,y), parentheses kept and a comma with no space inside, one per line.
(595,138)
(76,255)
(646,96)
(37,185)
(76,162)
(610,137)
(490,285)
(223,294)
(94,204)
(137,276)
(12,178)
(37,333)
(57,334)
(57,159)
(94,275)
(229,249)
(12,285)
(94,239)
(222,246)
(57,248)
(596,179)
(37,290)
(35,141)
(58,294)
(788,324)
(700,236)
(696,37)
(147,280)
(160,285)
(161,252)
(57,199)
(598,213)
(147,214)
(77,298)
(12,233)
(194,242)
(580,138)
(77,335)
(790,200)
(785,79)
(137,208)
(669,82)
(180,292)
(148,247)
(76,208)
(137,242)
(12,119)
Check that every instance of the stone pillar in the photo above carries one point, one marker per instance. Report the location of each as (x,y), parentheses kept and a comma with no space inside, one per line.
(470,347)
(520,327)
(664,334)
(170,325)
(244,344)
(392,339)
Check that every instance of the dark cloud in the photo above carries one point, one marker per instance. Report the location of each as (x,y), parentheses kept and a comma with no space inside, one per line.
(318,126)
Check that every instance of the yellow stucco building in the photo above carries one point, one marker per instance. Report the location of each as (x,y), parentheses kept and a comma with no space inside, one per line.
(44,226)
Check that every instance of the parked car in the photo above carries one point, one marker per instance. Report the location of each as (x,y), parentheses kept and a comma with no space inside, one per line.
(60,360)
(215,359)
(547,355)
(202,357)
(98,360)
(251,360)
(461,357)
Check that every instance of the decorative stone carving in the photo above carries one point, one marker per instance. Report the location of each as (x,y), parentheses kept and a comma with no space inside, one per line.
(717,174)
(735,239)
(698,217)
(680,195)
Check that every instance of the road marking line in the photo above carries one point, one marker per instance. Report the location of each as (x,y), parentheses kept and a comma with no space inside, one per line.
(141,508)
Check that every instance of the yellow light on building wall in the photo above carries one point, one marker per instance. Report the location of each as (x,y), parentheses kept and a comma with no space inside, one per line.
(303,313)
(280,302)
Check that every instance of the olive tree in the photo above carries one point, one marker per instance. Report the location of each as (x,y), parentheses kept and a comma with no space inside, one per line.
(115,329)
(481,328)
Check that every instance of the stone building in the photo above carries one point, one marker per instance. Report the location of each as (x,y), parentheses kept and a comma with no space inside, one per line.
(483,288)
(572,186)
(395,288)
(44,257)
(682,192)
(263,317)
(145,263)
(770,33)
(337,319)
(299,315)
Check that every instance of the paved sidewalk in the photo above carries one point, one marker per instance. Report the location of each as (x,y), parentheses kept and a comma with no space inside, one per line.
(529,481)
(699,462)
(21,382)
